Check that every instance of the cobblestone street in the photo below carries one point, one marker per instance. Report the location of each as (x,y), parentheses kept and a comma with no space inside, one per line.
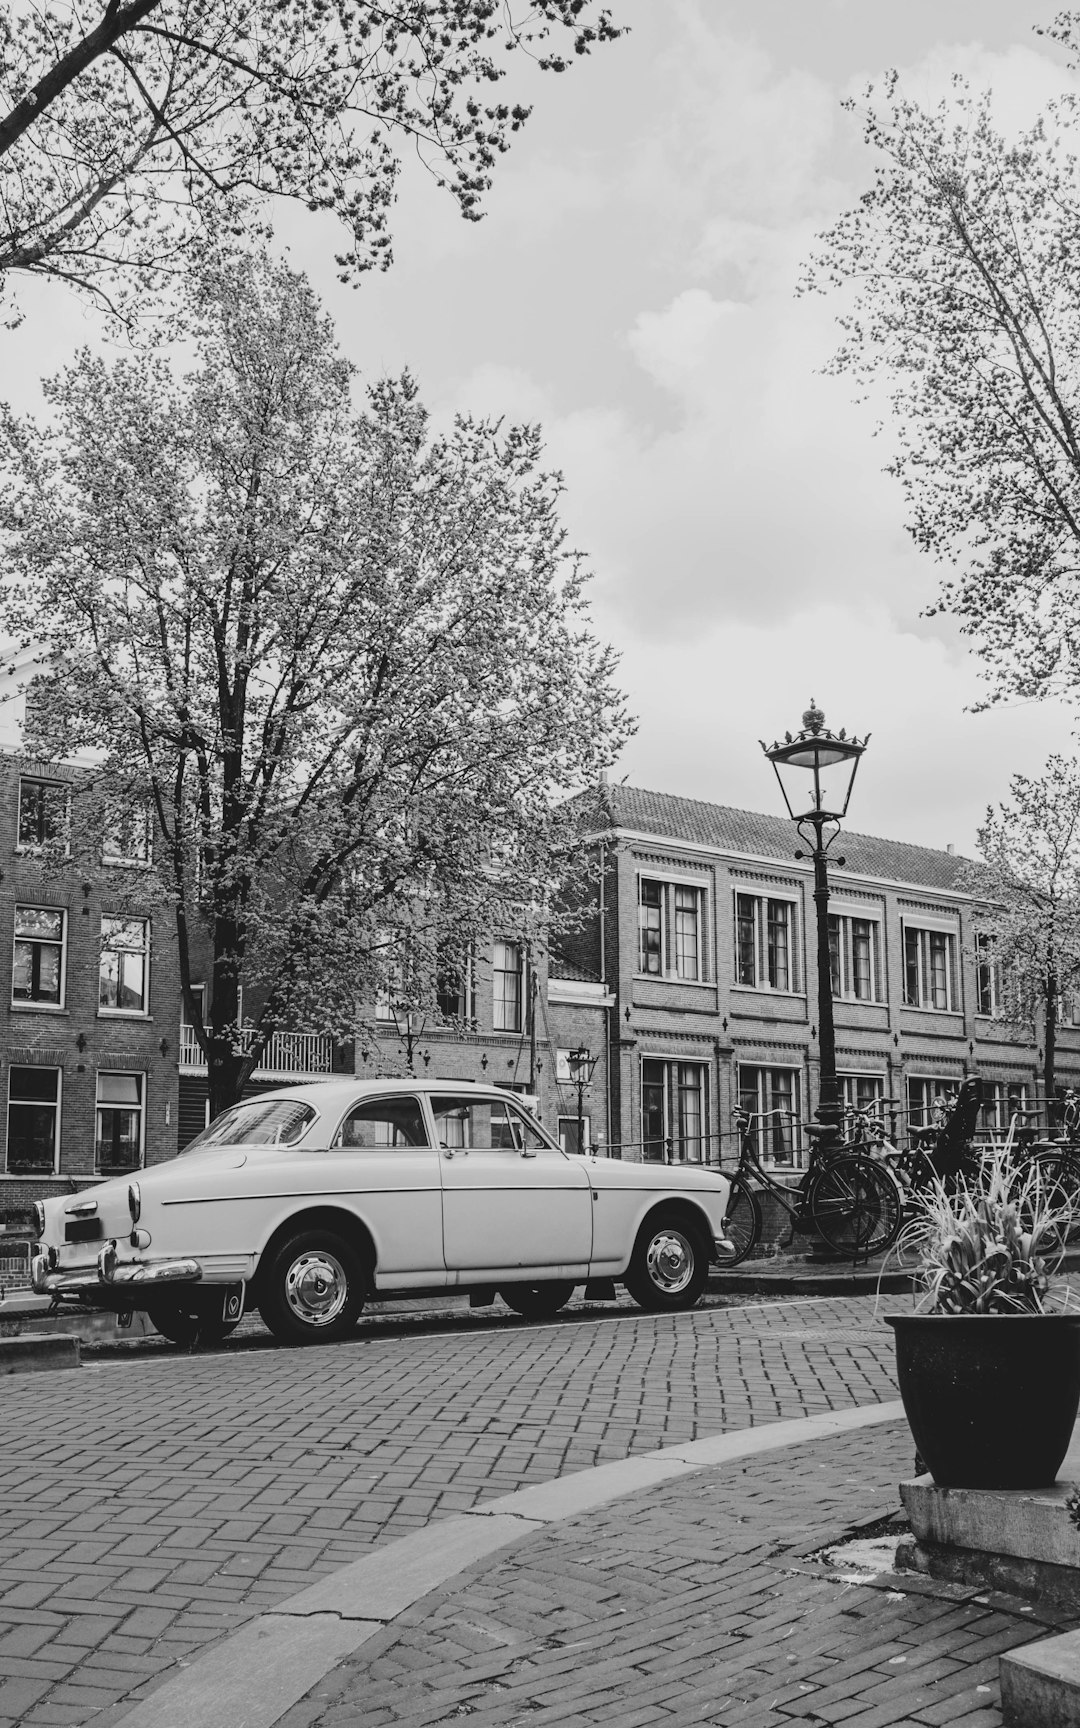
(154,1501)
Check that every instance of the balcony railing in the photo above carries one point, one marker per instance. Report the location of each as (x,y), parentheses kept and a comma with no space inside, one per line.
(285,1052)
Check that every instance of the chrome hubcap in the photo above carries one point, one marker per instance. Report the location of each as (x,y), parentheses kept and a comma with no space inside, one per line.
(670,1260)
(316,1288)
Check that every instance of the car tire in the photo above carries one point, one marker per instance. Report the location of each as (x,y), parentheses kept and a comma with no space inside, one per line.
(184,1327)
(537,1301)
(312,1289)
(669,1265)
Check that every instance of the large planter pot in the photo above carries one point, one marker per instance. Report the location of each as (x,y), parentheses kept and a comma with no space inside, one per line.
(991,1398)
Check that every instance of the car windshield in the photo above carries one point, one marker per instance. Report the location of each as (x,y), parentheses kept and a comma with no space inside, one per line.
(268,1122)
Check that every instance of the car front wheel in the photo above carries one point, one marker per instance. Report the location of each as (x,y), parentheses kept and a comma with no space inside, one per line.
(312,1291)
(669,1266)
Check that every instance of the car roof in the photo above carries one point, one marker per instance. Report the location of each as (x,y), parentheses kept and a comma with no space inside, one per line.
(331,1093)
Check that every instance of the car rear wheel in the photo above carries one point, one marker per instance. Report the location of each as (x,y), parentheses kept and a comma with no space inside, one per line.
(537,1301)
(670,1264)
(312,1290)
(184,1326)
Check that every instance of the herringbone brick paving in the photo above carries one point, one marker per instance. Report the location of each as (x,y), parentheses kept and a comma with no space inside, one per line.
(149,1504)
(695,1602)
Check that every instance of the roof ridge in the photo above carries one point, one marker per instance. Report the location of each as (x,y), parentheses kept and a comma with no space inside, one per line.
(786,821)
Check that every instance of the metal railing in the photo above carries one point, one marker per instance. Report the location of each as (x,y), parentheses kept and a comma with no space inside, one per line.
(285,1052)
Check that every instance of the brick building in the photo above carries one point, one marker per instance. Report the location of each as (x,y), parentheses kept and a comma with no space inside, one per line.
(704,940)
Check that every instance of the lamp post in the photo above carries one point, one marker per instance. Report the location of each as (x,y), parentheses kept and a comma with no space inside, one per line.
(405,1017)
(799,763)
(582,1065)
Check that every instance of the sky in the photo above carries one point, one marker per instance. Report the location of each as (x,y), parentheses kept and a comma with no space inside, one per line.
(632,288)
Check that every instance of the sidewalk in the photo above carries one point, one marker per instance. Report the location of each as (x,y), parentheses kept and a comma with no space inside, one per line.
(717,1597)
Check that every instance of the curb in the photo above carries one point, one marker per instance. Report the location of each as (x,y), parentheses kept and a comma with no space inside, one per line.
(259,1672)
(27,1355)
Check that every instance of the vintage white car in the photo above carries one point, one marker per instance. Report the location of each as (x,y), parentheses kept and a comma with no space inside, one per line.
(310,1199)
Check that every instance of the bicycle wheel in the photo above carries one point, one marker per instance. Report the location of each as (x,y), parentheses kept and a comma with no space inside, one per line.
(742,1225)
(856,1206)
(1059,1174)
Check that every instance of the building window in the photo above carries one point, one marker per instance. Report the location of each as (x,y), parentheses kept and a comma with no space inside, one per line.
(33,1125)
(38,968)
(771,1096)
(508,973)
(671,929)
(43,813)
(862,1093)
(673,1111)
(1001,1101)
(765,943)
(568,1133)
(455,988)
(127,836)
(930,968)
(929,1100)
(119,1140)
(854,957)
(123,970)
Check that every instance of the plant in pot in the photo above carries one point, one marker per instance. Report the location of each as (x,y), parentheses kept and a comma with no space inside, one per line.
(989,1361)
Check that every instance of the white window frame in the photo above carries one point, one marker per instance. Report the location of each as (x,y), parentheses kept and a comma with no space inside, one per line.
(139,1076)
(671,962)
(767,1132)
(848,915)
(762,901)
(568,1133)
(499,1004)
(30,1002)
(143,855)
(853,1081)
(673,1128)
(925,928)
(117,1012)
(58,1119)
(994,1112)
(38,846)
(946,1086)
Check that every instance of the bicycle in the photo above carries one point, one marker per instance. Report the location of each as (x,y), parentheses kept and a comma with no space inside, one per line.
(852,1202)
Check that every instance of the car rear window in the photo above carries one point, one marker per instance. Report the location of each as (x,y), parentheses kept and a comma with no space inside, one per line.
(269,1122)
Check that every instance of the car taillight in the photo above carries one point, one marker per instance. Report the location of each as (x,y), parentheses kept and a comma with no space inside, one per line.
(134,1201)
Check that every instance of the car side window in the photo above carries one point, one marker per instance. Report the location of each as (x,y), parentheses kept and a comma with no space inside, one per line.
(484,1125)
(525,1131)
(379,1123)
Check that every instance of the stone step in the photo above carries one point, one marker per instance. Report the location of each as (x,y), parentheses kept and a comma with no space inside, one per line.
(1040,1684)
(37,1351)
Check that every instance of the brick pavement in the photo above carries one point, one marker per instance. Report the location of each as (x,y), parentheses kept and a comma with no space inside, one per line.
(151,1503)
(695,1602)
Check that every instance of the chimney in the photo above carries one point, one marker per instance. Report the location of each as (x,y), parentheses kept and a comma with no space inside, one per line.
(951,849)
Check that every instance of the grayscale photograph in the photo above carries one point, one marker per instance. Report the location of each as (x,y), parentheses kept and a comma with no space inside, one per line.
(539,864)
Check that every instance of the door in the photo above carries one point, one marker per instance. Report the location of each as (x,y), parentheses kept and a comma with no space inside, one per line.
(382,1152)
(511,1202)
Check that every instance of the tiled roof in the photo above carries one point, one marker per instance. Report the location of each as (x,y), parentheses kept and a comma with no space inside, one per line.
(745,831)
(569,972)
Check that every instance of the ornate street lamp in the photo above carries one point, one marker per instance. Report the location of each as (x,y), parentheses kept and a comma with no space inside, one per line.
(801,763)
(409,1024)
(582,1065)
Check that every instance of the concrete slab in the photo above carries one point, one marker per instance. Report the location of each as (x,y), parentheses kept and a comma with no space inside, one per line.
(254,1676)
(1040,1684)
(391,1579)
(21,1355)
(585,1490)
(1026,1523)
